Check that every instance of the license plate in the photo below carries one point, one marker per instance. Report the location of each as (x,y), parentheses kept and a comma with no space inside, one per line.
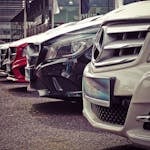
(98,90)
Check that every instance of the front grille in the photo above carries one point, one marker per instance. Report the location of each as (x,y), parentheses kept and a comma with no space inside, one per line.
(119,42)
(146,126)
(12,53)
(2,56)
(114,115)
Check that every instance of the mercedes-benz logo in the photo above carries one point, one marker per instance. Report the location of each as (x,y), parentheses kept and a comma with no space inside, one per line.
(98,46)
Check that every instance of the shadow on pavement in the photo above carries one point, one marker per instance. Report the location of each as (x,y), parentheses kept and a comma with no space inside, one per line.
(62,115)
(125,147)
(58,107)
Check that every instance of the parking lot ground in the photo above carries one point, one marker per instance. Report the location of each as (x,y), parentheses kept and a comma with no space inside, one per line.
(29,122)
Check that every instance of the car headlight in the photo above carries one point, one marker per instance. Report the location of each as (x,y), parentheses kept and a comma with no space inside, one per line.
(82,45)
(77,46)
(66,49)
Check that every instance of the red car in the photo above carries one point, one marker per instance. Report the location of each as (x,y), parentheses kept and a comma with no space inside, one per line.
(16,59)
(17,63)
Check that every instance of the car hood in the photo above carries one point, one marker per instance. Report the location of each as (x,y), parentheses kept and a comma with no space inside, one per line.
(62,29)
(4,46)
(137,10)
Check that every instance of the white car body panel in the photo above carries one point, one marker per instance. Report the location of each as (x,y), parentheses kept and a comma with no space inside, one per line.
(132,79)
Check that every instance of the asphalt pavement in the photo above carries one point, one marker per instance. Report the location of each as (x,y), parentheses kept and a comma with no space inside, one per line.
(30,122)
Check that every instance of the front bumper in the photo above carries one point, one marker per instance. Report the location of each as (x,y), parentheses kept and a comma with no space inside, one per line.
(104,117)
(54,79)
(18,70)
(139,136)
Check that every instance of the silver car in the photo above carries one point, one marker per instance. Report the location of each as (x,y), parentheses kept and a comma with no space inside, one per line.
(113,98)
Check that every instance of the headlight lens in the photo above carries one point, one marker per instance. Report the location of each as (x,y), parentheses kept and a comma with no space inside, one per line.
(78,45)
(81,45)
(66,49)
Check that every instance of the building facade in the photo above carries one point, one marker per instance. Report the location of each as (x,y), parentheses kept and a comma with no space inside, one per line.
(46,14)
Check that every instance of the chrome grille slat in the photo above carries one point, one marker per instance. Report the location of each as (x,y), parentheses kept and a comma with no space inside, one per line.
(129,28)
(124,44)
(2,56)
(117,60)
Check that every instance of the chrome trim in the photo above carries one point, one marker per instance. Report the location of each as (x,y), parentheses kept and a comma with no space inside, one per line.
(143,118)
(114,61)
(129,28)
(57,85)
(124,44)
(97,101)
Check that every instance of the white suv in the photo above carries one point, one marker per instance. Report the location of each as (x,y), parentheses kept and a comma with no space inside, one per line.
(113,98)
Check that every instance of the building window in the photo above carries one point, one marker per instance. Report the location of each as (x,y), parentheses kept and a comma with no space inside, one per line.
(68,11)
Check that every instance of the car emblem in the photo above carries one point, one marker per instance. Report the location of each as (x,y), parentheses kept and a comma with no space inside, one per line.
(98,46)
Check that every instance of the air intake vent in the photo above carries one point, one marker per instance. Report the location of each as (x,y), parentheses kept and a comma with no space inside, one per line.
(119,43)
(114,115)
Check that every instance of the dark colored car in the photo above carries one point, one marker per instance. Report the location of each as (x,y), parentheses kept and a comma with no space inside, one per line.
(56,70)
